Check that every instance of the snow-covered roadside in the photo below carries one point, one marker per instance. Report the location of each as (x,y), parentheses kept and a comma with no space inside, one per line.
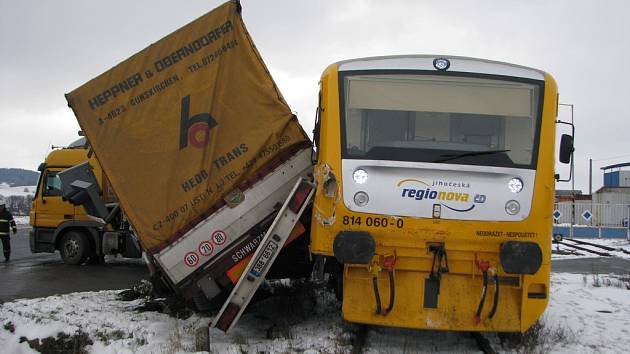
(110,323)
(279,324)
(589,319)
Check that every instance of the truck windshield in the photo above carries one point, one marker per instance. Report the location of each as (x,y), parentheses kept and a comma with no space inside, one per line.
(441,119)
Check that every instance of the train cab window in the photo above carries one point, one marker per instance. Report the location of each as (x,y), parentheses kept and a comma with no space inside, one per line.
(52,185)
(425,118)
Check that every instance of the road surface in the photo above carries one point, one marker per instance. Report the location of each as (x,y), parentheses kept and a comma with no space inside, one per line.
(598,265)
(44,274)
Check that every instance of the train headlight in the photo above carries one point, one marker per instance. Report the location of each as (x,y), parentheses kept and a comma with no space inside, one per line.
(360,176)
(361,199)
(512,207)
(515,185)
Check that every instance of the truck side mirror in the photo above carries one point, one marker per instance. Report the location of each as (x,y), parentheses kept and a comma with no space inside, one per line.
(566,148)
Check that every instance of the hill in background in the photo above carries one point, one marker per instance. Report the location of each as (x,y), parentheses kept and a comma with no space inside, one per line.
(15,177)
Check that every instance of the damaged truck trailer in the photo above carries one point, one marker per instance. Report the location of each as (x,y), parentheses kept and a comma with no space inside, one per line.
(201,149)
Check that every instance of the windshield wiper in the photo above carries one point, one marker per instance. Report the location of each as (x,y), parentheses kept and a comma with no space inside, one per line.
(467,154)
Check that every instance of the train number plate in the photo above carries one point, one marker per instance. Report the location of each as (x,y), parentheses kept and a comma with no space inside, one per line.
(264,258)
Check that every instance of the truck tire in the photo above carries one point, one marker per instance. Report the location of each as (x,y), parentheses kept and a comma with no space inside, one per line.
(74,248)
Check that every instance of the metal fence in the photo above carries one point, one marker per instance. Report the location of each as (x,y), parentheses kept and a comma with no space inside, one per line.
(591,220)
(592,214)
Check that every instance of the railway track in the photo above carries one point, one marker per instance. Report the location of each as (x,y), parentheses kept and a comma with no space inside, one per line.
(573,244)
(580,242)
(585,249)
(372,339)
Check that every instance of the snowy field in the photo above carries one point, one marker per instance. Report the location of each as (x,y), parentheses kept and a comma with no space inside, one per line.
(586,314)
(7,191)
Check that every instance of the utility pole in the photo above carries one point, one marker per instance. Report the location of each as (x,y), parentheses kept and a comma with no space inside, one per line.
(590,188)
(573,175)
(590,185)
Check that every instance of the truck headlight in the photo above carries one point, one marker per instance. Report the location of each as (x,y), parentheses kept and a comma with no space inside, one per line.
(360,176)
(515,185)
(512,207)
(361,199)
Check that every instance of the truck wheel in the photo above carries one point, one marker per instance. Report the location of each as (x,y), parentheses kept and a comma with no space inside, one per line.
(74,248)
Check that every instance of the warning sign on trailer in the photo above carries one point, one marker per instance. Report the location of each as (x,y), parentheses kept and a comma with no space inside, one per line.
(219,237)
(205,248)
(191,259)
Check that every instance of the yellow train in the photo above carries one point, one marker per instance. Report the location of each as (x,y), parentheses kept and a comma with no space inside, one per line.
(435,190)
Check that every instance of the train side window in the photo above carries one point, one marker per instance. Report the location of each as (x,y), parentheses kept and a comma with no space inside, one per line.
(52,187)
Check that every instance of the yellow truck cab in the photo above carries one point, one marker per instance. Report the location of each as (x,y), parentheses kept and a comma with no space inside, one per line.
(59,225)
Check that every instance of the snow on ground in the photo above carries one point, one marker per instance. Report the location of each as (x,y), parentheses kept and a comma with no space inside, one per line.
(619,244)
(110,323)
(311,324)
(598,317)
(586,314)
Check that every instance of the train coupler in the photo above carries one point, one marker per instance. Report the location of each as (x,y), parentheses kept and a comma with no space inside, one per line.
(432,283)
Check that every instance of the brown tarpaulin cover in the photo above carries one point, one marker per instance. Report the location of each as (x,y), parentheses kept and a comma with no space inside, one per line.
(180,124)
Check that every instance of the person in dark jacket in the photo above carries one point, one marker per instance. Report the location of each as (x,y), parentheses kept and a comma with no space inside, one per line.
(6,222)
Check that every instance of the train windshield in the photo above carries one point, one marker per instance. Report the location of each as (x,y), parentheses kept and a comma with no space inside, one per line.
(441,119)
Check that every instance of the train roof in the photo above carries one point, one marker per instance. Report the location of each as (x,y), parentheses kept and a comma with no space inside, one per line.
(428,63)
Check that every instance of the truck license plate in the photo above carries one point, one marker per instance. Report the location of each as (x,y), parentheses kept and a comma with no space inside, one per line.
(265,256)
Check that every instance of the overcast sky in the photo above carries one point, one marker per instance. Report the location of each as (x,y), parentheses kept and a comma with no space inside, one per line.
(51,47)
